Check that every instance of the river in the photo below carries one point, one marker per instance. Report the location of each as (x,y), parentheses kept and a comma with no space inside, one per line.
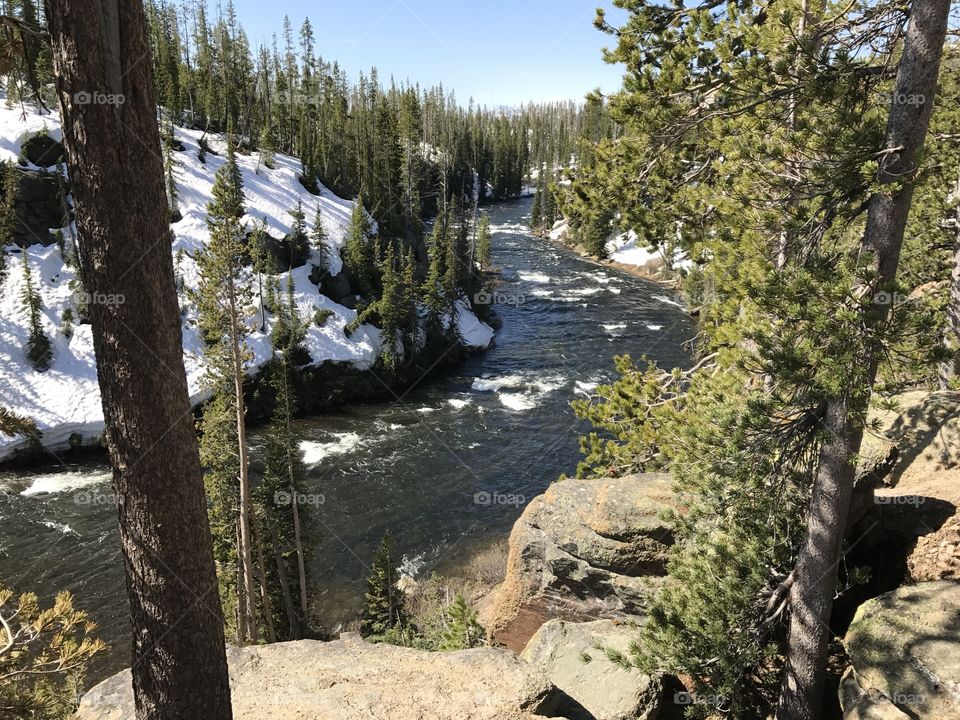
(447,466)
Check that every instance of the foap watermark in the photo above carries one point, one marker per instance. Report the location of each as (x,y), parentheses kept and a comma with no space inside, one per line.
(495,297)
(908,99)
(692,698)
(495,498)
(908,699)
(283,498)
(84,298)
(94,498)
(297,97)
(908,500)
(890,298)
(98,98)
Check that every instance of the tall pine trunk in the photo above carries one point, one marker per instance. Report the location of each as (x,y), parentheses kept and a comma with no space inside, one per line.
(291,476)
(103,77)
(248,599)
(264,586)
(812,595)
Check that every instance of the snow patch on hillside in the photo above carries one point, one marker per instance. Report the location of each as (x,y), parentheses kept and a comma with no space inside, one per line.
(64,401)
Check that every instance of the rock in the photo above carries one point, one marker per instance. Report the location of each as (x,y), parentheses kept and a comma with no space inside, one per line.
(905,646)
(936,555)
(858,704)
(351,302)
(349,679)
(604,689)
(584,550)
(284,254)
(38,208)
(43,151)
(335,287)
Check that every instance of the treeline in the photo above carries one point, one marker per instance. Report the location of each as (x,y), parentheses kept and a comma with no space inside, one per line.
(400,145)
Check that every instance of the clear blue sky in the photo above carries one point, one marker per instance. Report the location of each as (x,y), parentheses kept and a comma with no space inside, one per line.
(497,51)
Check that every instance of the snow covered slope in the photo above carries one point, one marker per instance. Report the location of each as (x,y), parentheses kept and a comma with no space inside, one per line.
(65,400)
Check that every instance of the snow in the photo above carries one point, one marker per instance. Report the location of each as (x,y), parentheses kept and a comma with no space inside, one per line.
(627,248)
(64,401)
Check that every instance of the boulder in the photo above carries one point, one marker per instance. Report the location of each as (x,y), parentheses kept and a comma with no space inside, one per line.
(43,151)
(904,649)
(349,679)
(38,208)
(913,524)
(858,704)
(584,550)
(573,657)
(286,254)
(335,287)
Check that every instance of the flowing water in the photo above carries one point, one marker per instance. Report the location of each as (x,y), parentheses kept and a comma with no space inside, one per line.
(447,466)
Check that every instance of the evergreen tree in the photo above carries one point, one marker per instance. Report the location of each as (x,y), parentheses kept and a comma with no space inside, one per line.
(262,263)
(266,148)
(484,241)
(8,213)
(320,243)
(223,298)
(384,603)
(391,307)
(38,348)
(536,212)
(299,241)
(169,171)
(549,207)
(230,178)
(462,630)
(358,253)
(284,473)
(47,651)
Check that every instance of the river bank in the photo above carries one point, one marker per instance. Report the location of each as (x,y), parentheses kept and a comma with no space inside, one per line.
(446,465)
(649,266)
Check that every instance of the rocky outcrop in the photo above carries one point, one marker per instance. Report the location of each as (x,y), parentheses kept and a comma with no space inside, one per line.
(913,522)
(905,655)
(349,679)
(43,151)
(574,657)
(584,550)
(38,208)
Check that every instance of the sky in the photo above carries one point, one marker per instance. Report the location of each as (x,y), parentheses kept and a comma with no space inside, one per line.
(496,51)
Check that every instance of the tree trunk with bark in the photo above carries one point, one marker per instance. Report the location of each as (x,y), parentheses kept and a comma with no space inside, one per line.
(103,77)
(950,369)
(813,593)
(248,604)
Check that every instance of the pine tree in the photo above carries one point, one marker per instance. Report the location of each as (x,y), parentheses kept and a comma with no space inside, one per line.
(536,212)
(384,603)
(8,213)
(462,630)
(320,243)
(284,473)
(484,241)
(549,207)
(266,148)
(38,348)
(391,307)
(357,253)
(262,263)
(298,239)
(223,297)
(230,178)
(169,171)
(47,651)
